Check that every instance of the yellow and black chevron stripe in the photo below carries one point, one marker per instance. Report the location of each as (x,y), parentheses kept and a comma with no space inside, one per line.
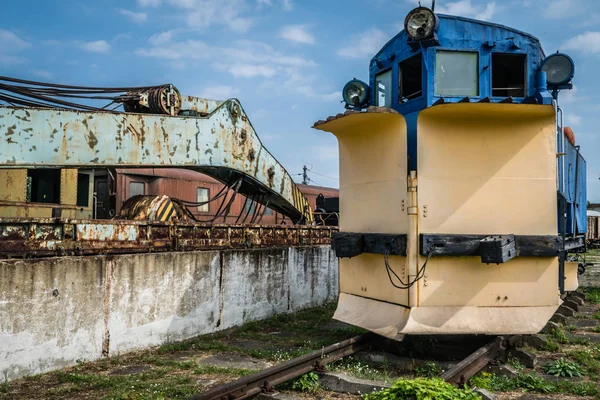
(301,203)
(165,211)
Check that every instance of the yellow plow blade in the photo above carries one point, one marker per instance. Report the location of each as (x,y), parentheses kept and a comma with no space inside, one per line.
(482,169)
(487,169)
(373,199)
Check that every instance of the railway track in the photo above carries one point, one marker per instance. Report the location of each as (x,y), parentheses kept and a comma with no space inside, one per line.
(265,380)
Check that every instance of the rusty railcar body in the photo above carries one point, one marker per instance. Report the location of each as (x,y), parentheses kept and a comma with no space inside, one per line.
(52,155)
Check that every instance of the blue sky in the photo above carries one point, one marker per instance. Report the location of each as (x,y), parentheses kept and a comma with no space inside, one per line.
(286,60)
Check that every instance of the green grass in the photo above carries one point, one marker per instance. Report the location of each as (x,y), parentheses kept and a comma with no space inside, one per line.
(533,383)
(173,375)
(592,294)
(552,346)
(559,335)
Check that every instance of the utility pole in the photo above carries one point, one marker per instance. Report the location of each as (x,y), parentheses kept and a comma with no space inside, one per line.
(305,178)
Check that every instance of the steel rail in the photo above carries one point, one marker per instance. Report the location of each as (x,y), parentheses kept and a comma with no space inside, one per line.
(464,370)
(267,379)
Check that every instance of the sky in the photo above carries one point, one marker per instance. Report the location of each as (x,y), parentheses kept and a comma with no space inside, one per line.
(285,60)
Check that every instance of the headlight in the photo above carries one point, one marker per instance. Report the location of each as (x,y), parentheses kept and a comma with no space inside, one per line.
(356,93)
(559,69)
(420,23)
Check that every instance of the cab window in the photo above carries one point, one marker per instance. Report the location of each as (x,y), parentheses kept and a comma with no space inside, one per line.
(410,78)
(383,89)
(508,75)
(456,73)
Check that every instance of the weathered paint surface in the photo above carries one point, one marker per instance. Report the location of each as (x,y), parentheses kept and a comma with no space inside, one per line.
(222,144)
(56,311)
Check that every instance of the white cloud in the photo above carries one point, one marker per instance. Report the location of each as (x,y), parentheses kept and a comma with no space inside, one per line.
(587,43)
(464,8)
(7,60)
(149,3)
(10,46)
(560,9)
(206,13)
(573,119)
(365,45)
(219,92)
(161,38)
(277,72)
(297,33)
(332,96)
(98,46)
(189,49)
(9,42)
(251,70)
(122,36)
(137,17)
(245,59)
(487,14)
(287,5)
(42,73)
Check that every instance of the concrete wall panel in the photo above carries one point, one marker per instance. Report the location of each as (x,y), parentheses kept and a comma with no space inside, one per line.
(51,313)
(56,311)
(162,298)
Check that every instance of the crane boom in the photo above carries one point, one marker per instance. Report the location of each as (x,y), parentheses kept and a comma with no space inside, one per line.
(212,137)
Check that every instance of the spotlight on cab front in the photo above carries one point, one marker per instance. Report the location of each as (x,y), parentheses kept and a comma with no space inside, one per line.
(421,24)
(559,69)
(356,94)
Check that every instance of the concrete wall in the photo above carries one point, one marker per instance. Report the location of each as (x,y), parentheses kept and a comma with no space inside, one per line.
(56,311)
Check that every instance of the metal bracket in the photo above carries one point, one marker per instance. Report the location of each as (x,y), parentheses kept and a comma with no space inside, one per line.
(348,244)
(470,245)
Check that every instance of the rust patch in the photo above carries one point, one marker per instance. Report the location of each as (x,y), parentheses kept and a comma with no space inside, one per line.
(92,140)
(271,175)
(11,130)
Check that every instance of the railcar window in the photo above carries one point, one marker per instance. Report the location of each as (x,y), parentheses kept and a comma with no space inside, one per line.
(202,195)
(136,188)
(456,73)
(410,78)
(383,87)
(43,186)
(83,190)
(508,75)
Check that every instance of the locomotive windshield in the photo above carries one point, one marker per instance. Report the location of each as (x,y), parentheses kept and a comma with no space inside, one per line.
(456,73)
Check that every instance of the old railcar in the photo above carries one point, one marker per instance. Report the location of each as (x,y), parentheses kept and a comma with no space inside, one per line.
(451,162)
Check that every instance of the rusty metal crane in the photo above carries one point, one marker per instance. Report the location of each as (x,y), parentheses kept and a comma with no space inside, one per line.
(158,128)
